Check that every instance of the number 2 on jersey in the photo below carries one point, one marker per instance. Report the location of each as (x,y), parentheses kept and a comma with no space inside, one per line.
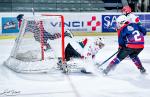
(136,35)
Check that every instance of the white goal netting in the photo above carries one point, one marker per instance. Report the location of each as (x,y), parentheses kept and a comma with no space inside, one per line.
(39,44)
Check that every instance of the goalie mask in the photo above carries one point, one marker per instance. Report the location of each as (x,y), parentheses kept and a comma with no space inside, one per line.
(99,42)
(121,21)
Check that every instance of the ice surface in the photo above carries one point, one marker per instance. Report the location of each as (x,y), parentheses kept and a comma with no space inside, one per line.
(124,81)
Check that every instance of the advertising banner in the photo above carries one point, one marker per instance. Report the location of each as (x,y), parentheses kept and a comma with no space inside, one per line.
(109,23)
(9,25)
(77,22)
(82,22)
(145,20)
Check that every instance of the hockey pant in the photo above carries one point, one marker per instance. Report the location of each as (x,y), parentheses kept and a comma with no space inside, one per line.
(123,53)
(71,52)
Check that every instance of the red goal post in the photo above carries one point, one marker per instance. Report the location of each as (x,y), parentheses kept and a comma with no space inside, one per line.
(62,33)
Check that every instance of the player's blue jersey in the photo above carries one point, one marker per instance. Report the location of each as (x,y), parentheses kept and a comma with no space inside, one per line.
(132,36)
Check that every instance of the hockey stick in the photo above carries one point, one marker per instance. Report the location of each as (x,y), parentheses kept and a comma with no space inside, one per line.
(98,65)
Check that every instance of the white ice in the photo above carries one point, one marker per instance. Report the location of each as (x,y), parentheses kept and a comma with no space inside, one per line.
(124,81)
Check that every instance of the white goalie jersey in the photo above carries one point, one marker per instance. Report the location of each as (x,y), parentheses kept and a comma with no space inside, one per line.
(88,51)
(133,18)
(92,47)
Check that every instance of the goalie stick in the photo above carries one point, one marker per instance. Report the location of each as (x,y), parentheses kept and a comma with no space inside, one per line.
(98,65)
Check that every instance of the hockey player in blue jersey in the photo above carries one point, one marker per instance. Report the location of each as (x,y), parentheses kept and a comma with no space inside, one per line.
(131,43)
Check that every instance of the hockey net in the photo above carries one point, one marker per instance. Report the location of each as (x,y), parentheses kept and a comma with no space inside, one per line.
(39,44)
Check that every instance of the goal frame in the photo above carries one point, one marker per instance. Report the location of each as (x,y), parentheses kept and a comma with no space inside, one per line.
(43,63)
(62,37)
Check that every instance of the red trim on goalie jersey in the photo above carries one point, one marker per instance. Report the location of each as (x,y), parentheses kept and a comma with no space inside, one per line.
(137,20)
(84,41)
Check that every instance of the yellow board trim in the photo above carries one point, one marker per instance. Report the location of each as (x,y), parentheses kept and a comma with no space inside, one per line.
(7,37)
(93,34)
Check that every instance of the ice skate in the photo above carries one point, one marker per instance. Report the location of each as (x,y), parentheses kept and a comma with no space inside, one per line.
(106,71)
(66,68)
(142,70)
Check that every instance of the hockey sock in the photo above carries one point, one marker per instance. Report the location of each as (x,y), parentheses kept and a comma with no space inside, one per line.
(114,62)
(111,65)
(137,62)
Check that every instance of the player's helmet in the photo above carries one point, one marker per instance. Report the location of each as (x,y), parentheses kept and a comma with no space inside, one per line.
(20,16)
(121,20)
(126,9)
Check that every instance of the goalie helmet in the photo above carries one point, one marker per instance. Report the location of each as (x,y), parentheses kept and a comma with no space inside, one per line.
(99,42)
(126,9)
(121,20)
